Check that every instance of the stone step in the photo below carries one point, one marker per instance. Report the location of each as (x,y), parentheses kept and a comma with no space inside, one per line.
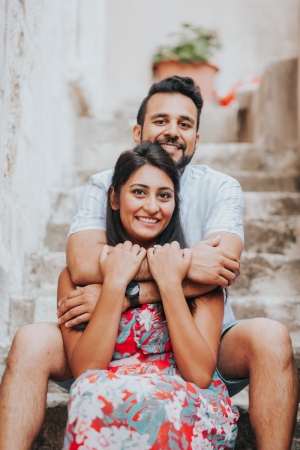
(275,234)
(52,432)
(267,181)
(230,156)
(43,270)
(267,274)
(284,308)
(244,156)
(262,205)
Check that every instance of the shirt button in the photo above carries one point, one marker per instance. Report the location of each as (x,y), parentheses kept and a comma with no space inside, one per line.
(139,310)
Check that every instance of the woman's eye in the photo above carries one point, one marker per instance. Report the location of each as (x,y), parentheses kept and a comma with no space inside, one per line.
(165,195)
(139,192)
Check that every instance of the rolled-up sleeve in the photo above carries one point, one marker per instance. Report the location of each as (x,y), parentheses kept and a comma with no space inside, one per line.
(91,213)
(226,212)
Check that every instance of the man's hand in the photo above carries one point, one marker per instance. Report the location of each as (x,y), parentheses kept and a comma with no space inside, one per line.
(78,306)
(212,264)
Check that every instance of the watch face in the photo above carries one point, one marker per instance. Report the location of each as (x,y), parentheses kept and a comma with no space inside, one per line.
(132,288)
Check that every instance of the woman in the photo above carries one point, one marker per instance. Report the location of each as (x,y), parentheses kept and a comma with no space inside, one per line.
(146,375)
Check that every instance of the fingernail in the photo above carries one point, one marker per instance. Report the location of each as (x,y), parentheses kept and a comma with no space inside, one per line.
(105,246)
(67,324)
(59,304)
(59,320)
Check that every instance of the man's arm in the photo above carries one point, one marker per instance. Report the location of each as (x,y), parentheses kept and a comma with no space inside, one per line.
(83,251)
(214,260)
(77,306)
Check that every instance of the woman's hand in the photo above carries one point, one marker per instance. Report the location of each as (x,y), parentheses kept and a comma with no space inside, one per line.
(169,264)
(120,263)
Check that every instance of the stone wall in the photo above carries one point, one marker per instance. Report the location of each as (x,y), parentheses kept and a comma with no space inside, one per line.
(50,72)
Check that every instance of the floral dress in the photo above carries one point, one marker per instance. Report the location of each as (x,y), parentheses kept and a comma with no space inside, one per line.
(141,402)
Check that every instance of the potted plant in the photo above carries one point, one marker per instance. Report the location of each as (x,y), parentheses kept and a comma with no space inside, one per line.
(189,56)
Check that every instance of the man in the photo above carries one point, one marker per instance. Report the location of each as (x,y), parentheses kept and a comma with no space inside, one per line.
(211,211)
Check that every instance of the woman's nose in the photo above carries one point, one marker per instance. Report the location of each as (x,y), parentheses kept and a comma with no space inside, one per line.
(151,205)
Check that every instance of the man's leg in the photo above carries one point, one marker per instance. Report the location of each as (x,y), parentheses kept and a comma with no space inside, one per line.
(37,353)
(261,349)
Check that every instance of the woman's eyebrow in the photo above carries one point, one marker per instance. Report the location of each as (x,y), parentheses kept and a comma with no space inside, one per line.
(147,187)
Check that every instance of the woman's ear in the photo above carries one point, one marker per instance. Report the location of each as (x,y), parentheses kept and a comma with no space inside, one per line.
(114,201)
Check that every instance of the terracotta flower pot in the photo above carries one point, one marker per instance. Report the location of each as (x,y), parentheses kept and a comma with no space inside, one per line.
(202,73)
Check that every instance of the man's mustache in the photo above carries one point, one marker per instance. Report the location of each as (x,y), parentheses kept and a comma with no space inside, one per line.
(170,140)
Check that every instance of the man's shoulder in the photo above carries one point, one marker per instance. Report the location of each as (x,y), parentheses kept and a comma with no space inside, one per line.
(102,179)
(202,172)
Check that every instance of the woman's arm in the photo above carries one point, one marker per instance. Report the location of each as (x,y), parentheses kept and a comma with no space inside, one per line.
(93,348)
(195,339)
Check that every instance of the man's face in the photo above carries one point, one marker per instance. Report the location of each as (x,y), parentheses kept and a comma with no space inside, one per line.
(170,121)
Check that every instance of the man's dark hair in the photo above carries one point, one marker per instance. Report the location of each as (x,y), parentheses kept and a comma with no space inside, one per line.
(173,85)
(128,163)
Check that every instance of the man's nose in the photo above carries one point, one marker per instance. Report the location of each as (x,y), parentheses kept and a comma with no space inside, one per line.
(172,129)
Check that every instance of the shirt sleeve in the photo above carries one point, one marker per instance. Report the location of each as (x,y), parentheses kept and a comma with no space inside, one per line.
(91,213)
(226,211)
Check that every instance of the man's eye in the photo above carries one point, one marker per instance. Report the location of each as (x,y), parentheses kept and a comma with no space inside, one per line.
(160,122)
(185,125)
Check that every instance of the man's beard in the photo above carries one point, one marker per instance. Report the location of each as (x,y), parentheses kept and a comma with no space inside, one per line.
(184,160)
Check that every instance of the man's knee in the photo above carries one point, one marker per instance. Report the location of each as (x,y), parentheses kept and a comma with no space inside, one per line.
(268,338)
(34,345)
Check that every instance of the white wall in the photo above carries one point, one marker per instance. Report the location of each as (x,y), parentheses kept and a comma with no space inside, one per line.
(51,63)
(253,33)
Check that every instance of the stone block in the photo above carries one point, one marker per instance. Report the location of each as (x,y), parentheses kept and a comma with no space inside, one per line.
(52,432)
(99,143)
(226,157)
(4,349)
(267,181)
(277,234)
(276,109)
(218,123)
(284,308)
(45,309)
(43,270)
(56,236)
(267,274)
(261,205)
(66,204)
(21,313)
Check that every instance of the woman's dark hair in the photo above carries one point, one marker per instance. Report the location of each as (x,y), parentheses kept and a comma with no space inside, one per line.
(173,85)
(128,163)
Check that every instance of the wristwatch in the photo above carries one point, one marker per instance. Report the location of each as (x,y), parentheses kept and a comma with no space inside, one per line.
(133,293)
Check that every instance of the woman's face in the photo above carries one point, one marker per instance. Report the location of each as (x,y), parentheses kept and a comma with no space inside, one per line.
(146,204)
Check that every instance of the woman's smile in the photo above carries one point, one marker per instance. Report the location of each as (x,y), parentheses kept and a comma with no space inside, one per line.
(148,220)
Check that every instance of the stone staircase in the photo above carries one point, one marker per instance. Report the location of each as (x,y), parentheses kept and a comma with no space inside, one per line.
(268,286)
